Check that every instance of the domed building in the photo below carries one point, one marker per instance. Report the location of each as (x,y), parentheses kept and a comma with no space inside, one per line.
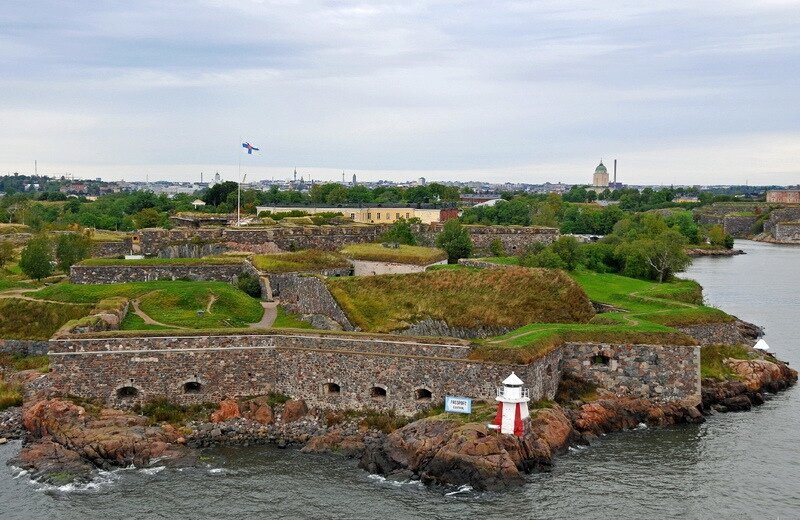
(600,179)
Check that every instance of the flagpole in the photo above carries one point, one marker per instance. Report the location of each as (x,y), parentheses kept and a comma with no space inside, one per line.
(239,193)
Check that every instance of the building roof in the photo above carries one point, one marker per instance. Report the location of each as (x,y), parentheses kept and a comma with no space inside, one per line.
(600,168)
(512,380)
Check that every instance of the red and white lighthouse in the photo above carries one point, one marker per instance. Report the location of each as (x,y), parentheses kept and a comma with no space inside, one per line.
(512,407)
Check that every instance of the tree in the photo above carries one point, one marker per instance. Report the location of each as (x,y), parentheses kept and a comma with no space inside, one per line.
(218,193)
(400,232)
(655,258)
(71,248)
(147,218)
(36,258)
(568,250)
(455,240)
(6,252)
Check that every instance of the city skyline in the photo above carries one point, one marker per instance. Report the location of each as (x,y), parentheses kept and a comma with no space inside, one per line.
(682,94)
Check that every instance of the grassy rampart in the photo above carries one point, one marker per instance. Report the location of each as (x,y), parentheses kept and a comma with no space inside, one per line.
(648,313)
(461,298)
(172,303)
(300,261)
(416,255)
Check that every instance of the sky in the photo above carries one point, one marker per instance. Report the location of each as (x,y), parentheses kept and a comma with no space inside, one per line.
(678,92)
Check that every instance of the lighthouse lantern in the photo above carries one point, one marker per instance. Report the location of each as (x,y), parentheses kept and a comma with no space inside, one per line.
(512,407)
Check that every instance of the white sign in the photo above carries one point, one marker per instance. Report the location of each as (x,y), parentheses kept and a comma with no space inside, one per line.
(457,404)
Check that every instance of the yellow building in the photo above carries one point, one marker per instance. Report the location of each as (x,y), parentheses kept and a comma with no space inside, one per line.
(372,214)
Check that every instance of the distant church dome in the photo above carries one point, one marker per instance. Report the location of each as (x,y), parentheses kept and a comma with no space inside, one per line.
(600,168)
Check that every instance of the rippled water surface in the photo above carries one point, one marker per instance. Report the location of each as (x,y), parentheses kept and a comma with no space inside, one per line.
(733,466)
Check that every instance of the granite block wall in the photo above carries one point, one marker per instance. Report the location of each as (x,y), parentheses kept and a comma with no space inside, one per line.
(158,242)
(658,372)
(86,274)
(298,365)
(309,297)
(349,371)
(23,347)
(787,232)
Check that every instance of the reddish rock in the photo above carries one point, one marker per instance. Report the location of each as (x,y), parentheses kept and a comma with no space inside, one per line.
(63,438)
(228,409)
(759,374)
(294,410)
(263,414)
(335,442)
(447,452)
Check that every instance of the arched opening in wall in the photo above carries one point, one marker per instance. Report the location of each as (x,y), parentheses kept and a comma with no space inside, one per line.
(377,392)
(192,387)
(422,394)
(127,392)
(331,389)
(601,359)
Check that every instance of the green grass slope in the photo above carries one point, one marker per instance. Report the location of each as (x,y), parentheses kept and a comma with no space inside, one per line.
(26,319)
(172,303)
(299,261)
(648,314)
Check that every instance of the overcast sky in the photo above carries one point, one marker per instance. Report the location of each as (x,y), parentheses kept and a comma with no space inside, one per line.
(679,92)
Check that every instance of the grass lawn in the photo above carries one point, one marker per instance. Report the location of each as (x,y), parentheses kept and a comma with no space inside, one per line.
(711,358)
(416,255)
(288,320)
(173,303)
(299,261)
(25,319)
(649,311)
(462,298)
(133,321)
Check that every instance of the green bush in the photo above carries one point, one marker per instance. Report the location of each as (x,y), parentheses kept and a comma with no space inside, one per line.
(401,233)
(250,285)
(496,248)
(10,395)
(455,240)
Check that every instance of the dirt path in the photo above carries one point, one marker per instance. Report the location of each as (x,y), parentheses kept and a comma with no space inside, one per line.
(147,319)
(210,303)
(19,294)
(270,313)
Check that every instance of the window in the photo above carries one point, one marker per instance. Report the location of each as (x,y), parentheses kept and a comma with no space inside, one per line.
(127,392)
(369,216)
(422,394)
(353,216)
(378,215)
(407,215)
(397,215)
(331,388)
(192,387)
(377,392)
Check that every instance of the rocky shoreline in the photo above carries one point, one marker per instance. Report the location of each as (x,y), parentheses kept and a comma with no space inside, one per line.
(698,251)
(69,441)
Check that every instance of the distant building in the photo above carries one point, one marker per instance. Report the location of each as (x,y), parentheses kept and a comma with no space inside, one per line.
(600,178)
(783,196)
(373,214)
(354,180)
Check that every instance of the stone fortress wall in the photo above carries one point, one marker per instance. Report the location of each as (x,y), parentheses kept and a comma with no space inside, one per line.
(341,371)
(90,274)
(787,232)
(200,241)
